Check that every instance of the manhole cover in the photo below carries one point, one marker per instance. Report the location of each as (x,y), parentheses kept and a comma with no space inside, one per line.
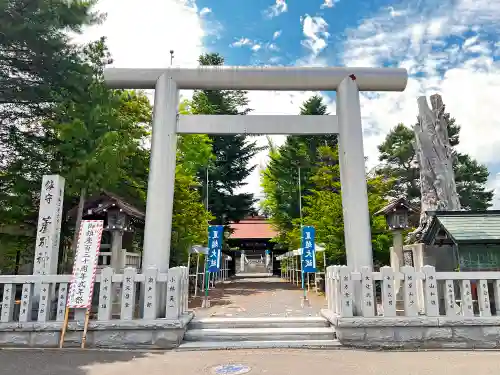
(230,369)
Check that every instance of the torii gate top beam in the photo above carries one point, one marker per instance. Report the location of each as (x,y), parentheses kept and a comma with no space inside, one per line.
(260,78)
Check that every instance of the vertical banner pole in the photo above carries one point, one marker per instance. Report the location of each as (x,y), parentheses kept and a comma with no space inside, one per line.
(207,281)
(206,275)
(214,255)
(307,257)
(304,299)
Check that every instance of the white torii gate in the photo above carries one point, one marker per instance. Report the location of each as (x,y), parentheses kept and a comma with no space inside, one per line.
(167,124)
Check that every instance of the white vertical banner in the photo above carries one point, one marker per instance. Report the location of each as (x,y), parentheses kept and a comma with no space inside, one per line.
(49,225)
(85,264)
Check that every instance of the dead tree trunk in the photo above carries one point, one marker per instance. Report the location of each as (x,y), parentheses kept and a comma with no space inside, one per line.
(435,158)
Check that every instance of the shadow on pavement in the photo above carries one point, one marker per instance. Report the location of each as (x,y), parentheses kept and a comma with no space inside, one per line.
(60,361)
(256,296)
(222,294)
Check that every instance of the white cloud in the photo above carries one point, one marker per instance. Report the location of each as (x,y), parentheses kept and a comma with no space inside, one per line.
(141,34)
(395,13)
(329,4)
(495,186)
(464,72)
(315,31)
(245,42)
(205,11)
(279,7)
(242,42)
(272,47)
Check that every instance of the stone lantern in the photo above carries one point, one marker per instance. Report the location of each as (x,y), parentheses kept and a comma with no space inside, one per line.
(397,214)
(118,222)
(117,219)
(397,217)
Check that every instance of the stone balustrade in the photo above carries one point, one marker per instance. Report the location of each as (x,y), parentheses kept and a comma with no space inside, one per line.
(421,308)
(126,307)
(198,274)
(291,271)
(131,259)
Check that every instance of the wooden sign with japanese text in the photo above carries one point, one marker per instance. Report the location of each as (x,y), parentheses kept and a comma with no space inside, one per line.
(85,264)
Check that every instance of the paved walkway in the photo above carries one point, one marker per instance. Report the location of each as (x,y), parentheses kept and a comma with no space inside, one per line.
(260,362)
(258,296)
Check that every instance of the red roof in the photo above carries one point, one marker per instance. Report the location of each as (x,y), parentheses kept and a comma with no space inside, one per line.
(252,228)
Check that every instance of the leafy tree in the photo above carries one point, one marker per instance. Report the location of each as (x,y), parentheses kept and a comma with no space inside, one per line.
(280,178)
(37,60)
(323,210)
(232,153)
(190,218)
(92,136)
(38,67)
(95,138)
(398,156)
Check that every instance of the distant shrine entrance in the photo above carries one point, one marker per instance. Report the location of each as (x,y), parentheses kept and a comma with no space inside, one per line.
(255,253)
(167,123)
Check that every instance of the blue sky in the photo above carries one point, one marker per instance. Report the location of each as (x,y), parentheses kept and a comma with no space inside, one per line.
(450,47)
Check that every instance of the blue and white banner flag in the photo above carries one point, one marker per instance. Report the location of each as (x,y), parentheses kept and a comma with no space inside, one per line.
(215,235)
(308,249)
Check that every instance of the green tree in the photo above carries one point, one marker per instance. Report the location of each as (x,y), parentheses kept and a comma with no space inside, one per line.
(233,153)
(280,178)
(38,68)
(398,158)
(190,218)
(323,210)
(92,138)
(37,60)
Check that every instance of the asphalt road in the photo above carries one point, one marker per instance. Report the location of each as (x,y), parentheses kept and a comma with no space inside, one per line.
(260,362)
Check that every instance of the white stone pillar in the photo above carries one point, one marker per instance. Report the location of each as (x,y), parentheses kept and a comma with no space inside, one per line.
(242,261)
(118,265)
(353,176)
(117,256)
(160,197)
(396,255)
(357,229)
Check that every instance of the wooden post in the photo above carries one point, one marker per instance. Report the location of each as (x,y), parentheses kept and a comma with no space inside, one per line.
(64,327)
(85,327)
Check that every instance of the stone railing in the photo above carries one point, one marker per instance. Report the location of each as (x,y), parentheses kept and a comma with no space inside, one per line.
(414,308)
(428,292)
(292,273)
(131,260)
(197,278)
(148,302)
(18,295)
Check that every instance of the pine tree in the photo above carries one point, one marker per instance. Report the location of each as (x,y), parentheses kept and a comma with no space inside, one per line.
(233,153)
(280,179)
(38,64)
(398,158)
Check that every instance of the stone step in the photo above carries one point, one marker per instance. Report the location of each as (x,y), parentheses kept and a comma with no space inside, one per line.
(260,334)
(265,344)
(269,322)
